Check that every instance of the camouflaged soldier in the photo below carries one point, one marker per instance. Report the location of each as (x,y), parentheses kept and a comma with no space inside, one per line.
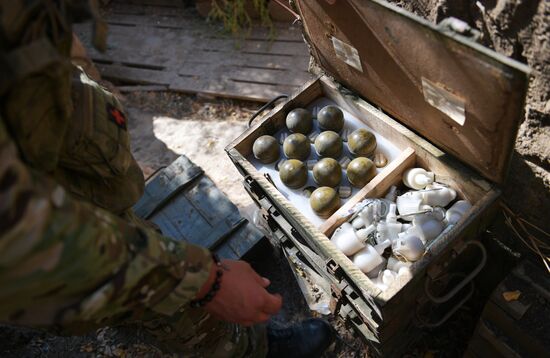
(72,254)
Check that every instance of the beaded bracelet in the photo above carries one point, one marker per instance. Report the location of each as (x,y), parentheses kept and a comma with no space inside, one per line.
(215,286)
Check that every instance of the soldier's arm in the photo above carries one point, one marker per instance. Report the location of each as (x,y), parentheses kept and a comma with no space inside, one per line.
(66,262)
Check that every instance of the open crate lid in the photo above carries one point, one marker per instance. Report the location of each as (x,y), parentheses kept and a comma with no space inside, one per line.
(464,98)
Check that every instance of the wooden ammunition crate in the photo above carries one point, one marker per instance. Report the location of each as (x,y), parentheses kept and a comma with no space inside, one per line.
(450,105)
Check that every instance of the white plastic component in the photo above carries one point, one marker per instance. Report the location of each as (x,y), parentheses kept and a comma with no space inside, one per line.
(395,264)
(457,211)
(439,213)
(417,178)
(363,234)
(438,195)
(368,259)
(388,277)
(382,246)
(427,226)
(392,217)
(392,194)
(388,230)
(367,215)
(358,223)
(410,203)
(405,227)
(345,240)
(410,247)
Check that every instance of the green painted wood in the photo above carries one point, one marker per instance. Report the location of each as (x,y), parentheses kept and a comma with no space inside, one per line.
(187,206)
(166,184)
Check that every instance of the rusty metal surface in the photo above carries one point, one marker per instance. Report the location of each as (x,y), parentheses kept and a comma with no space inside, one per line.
(403,64)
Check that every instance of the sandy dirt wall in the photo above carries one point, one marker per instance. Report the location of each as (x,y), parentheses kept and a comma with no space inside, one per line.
(519,29)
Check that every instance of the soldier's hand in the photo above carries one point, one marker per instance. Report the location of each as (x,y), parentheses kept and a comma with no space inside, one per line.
(242,297)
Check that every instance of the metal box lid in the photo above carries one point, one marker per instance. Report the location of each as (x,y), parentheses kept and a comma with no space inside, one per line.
(463,97)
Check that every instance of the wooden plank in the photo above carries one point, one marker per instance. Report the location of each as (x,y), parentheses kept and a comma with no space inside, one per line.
(135,75)
(210,201)
(152,88)
(231,89)
(169,18)
(374,189)
(274,77)
(118,8)
(255,46)
(157,3)
(166,184)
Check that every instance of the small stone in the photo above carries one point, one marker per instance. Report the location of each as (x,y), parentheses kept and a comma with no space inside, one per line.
(511,295)
(380,160)
(344,192)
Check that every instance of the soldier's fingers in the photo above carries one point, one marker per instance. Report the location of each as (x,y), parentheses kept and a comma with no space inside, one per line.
(259,279)
(273,303)
(262,318)
(265,282)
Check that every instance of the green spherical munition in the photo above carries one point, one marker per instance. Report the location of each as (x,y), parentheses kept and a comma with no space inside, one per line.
(297,146)
(293,173)
(324,201)
(266,149)
(362,143)
(360,171)
(299,120)
(331,118)
(329,144)
(327,172)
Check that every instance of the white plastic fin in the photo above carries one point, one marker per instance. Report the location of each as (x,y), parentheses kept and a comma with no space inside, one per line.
(447,102)
(347,53)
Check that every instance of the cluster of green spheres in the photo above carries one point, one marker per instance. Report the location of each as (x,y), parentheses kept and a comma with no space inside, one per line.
(327,172)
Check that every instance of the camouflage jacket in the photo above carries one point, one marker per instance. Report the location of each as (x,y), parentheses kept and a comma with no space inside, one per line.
(67,257)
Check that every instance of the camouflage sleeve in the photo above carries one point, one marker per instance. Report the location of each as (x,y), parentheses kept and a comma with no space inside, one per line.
(64,262)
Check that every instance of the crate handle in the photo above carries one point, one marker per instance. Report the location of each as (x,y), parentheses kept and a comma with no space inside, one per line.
(425,324)
(264,107)
(465,281)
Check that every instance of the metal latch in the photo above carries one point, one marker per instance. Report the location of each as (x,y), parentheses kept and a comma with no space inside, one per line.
(457,26)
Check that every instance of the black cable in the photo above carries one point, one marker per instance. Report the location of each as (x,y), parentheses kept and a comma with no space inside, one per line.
(265,106)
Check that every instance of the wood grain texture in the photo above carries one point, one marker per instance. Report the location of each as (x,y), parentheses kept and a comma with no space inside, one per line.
(166,44)
(398,52)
